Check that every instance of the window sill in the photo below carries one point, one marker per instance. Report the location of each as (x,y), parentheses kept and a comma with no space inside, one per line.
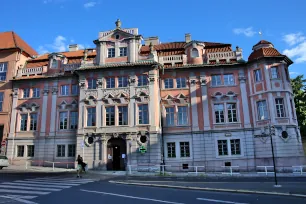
(139,125)
(229,156)
(275,79)
(67,130)
(4,112)
(228,123)
(3,82)
(220,86)
(90,127)
(264,120)
(169,89)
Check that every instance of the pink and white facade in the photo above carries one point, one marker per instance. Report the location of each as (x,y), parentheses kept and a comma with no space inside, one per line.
(187,103)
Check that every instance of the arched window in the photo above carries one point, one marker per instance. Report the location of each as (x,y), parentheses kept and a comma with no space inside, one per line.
(194,53)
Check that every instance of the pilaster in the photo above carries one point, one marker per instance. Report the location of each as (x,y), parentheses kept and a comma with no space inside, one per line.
(53,109)
(14,113)
(289,109)
(244,98)
(44,111)
(152,102)
(81,102)
(132,51)
(102,55)
(193,99)
(205,101)
(132,82)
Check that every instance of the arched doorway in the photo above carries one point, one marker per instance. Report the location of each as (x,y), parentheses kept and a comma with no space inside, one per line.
(116,154)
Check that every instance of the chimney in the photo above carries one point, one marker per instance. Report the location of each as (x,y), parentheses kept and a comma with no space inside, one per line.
(153,40)
(73,47)
(187,37)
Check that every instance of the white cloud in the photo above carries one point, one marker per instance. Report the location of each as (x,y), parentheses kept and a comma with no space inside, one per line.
(58,45)
(249,32)
(90,4)
(294,38)
(42,50)
(294,73)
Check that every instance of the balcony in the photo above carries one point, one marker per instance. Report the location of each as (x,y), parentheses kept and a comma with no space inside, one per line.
(70,67)
(172,59)
(219,56)
(30,71)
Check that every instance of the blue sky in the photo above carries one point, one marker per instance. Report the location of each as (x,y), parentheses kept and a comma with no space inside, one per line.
(51,25)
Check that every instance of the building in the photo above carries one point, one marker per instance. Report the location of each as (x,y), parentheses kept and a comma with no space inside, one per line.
(14,52)
(181,103)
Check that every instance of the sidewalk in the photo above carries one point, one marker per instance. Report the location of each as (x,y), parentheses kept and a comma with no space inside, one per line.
(22,168)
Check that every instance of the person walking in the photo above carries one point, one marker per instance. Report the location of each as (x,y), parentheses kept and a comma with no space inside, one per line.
(80,166)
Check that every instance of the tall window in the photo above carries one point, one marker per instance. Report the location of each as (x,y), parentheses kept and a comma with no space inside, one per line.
(274,72)
(110,115)
(280,111)
(123,51)
(110,82)
(73,120)
(143,117)
(292,108)
(92,83)
(257,75)
(91,116)
(20,151)
(181,83)
(30,150)
(54,64)
(60,150)
(194,53)
(123,115)
(170,116)
(168,83)
(185,149)
(111,52)
(219,113)
(36,92)
(231,112)
(63,120)
(122,82)
(262,110)
(222,147)
(142,80)
(26,93)
(228,79)
(3,70)
(65,90)
(235,147)
(216,80)
(171,150)
(71,150)
(24,122)
(33,121)
(1,101)
(74,89)
(182,115)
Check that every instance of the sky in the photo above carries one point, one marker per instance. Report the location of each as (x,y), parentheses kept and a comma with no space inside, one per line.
(52,25)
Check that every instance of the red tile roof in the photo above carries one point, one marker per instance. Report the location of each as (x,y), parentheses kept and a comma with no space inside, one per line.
(264,52)
(10,40)
(262,42)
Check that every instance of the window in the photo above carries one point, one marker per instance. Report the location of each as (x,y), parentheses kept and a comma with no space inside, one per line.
(257,75)
(65,90)
(194,53)
(123,115)
(235,147)
(181,83)
(1,101)
(262,110)
(74,89)
(168,83)
(91,116)
(73,120)
(219,113)
(33,121)
(142,80)
(292,108)
(3,70)
(170,116)
(111,52)
(36,92)
(228,79)
(54,64)
(26,93)
(30,150)
(171,149)
(63,120)
(231,112)
(216,80)
(92,83)
(274,72)
(123,51)
(222,147)
(20,151)
(24,122)
(122,82)
(71,150)
(143,117)
(110,82)
(280,111)
(110,115)
(182,115)
(185,151)
(60,150)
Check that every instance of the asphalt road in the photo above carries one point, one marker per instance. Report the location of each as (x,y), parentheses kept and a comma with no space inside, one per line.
(40,188)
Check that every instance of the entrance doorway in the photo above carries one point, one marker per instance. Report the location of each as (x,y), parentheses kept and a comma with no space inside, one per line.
(116,154)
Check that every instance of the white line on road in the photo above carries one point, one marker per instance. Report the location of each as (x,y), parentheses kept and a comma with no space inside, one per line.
(125,196)
(52,183)
(219,201)
(21,196)
(30,188)
(62,181)
(26,192)
(18,199)
(35,185)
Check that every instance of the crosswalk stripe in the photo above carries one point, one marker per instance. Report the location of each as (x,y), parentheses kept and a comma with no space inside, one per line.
(55,183)
(36,185)
(68,181)
(21,196)
(30,188)
(61,179)
(20,191)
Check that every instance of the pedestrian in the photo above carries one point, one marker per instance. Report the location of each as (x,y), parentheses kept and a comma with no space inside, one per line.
(80,166)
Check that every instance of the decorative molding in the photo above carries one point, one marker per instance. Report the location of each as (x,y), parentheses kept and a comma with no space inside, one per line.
(45,92)
(93,93)
(132,80)
(151,79)
(192,82)
(99,83)
(203,81)
(82,83)
(15,92)
(54,90)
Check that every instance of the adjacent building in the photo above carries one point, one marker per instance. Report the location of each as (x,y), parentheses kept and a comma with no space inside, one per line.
(188,103)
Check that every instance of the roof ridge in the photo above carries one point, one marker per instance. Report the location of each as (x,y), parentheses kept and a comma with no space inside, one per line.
(14,39)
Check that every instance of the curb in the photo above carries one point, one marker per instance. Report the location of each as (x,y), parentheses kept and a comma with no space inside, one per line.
(210,189)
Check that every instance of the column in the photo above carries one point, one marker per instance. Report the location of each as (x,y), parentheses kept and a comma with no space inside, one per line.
(132,51)
(132,81)
(193,99)
(81,104)
(14,113)
(289,109)
(244,98)
(99,102)
(53,110)
(205,101)
(153,101)
(102,55)
(44,111)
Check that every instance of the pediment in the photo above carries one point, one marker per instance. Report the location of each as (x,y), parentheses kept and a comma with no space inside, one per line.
(111,36)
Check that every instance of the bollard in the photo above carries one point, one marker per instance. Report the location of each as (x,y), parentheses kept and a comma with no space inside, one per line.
(26,165)
(130,169)
(52,166)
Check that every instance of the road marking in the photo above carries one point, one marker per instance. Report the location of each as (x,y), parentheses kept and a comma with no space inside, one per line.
(219,201)
(125,196)
(68,181)
(20,191)
(21,196)
(19,200)
(35,185)
(52,183)
(30,188)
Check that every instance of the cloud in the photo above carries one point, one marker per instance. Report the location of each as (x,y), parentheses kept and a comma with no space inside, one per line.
(294,38)
(58,45)
(42,50)
(294,73)
(248,32)
(298,52)
(90,4)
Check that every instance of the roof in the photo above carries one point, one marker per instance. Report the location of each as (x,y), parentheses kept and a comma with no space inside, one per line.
(10,40)
(262,42)
(263,52)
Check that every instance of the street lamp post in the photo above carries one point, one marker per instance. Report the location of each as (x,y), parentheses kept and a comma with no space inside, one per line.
(271,133)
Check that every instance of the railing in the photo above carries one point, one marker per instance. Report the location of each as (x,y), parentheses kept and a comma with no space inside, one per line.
(230,170)
(266,169)
(133,31)
(70,67)
(221,56)
(171,59)
(30,71)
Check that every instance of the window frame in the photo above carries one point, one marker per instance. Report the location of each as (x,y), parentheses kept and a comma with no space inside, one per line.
(76,120)
(65,90)
(1,101)
(3,71)
(91,83)
(233,149)
(257,75)
(73,148)
(25,123)
(233,111)
(264,109)
(274,74)
(216,80)
(94,117)
(62,149)
(29,150)
(24,93)
(123,51)
(172,151)
(280,107)
(181,116)
(22,153)
(33,123)
(61,120)
(35,92)
(144,80)
(144,114)
(218,118)
(74,91)
(125,115)
(168,83)
(228,81)
(181,83)
(111,52)
(110,115)
(123,81)
(171,117)
(110,81)
(186,150)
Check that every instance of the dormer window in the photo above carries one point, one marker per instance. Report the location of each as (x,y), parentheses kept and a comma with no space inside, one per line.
(123,51)
(111,52)
(117,37)
(194,53)
(54,64)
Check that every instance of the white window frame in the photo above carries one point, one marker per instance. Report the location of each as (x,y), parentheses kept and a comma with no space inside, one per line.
(280,107)
(140,112)
(65,90)
(233,111)
(264,109)
(3,70)
(111,52)
(219,113)
(142,80)
(185,149)
(274,73)
(26,123)
(31,156)
(70,119)
(26,91)
(110,82)
(36,93)
(125,115)
(91,83)
(123,51)
(181,83)
(62,119)
(171,147)
(57,150)
(186,122)
(54,64)
(194,53)
(109,114)
(230,153)
(123,82)
(94,118)
(216,80)
(168,82)
(172,117)
(228,79)
(31,121)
